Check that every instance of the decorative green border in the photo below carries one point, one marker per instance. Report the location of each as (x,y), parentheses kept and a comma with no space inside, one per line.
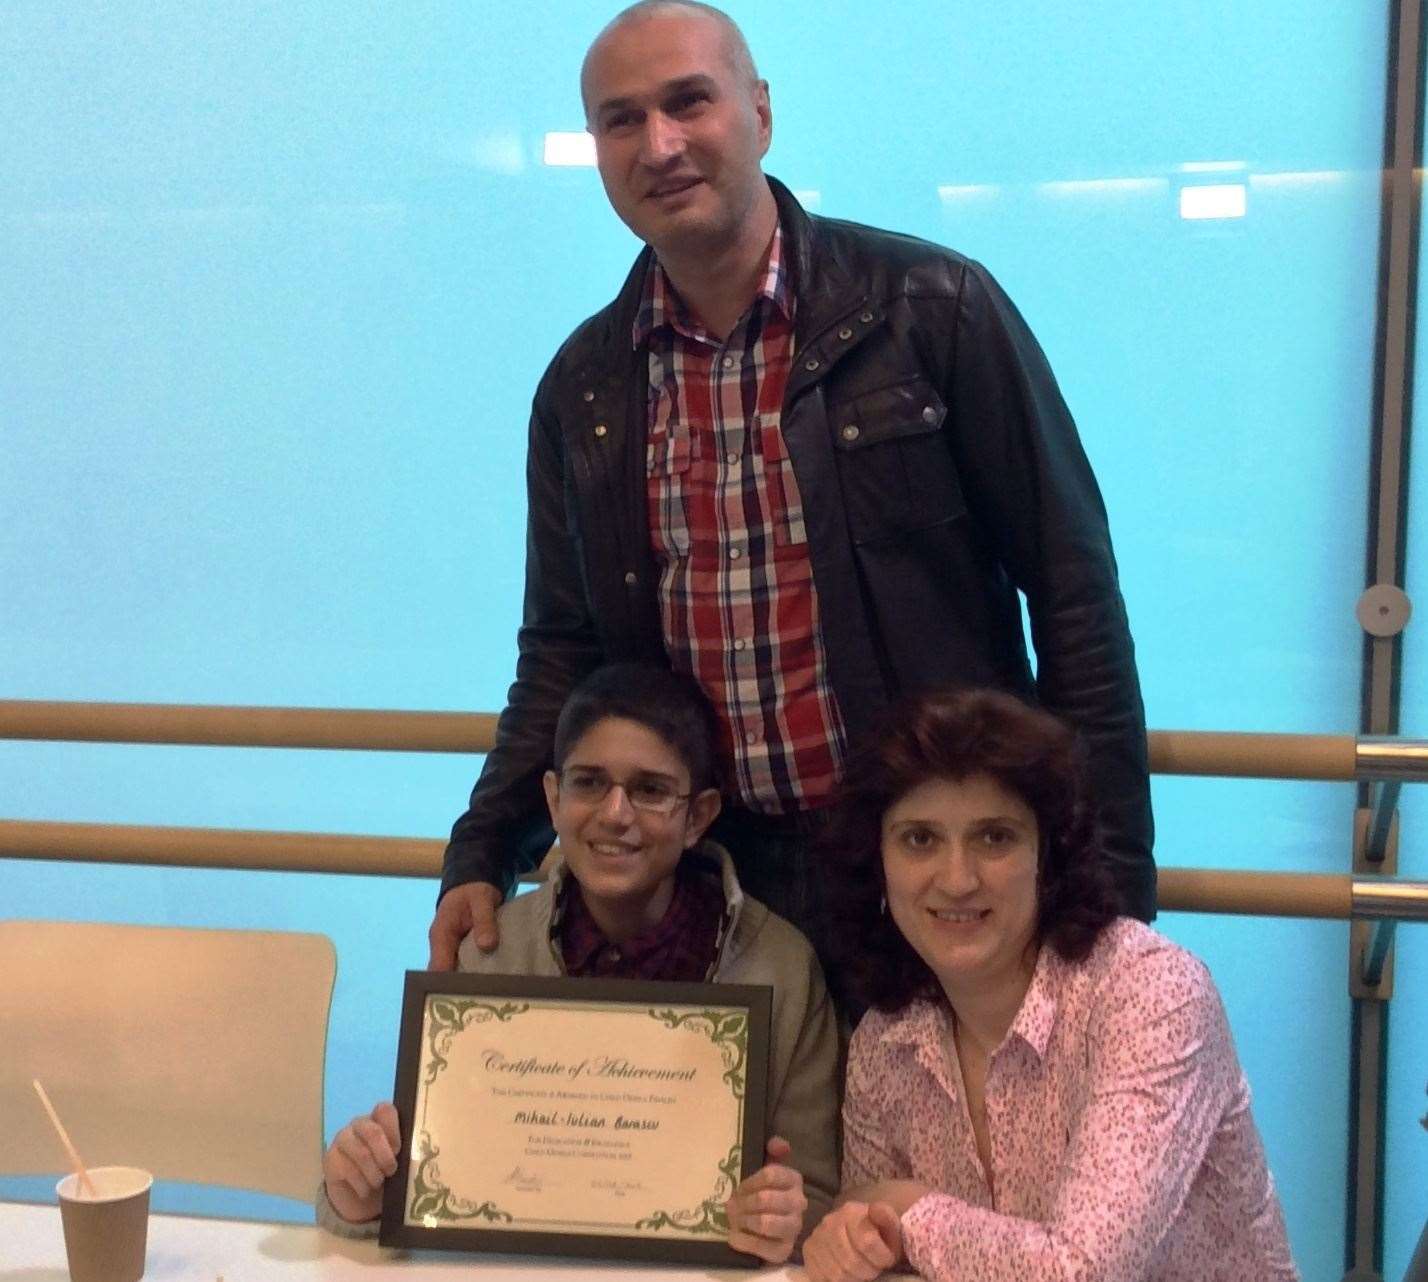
(446,1016)
(727,1028)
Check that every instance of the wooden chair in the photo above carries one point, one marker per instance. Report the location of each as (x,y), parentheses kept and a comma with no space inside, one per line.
(196,1054)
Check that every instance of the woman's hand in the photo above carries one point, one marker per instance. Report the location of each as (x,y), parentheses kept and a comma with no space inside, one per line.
(363,1154)
(857,1242)
(766,1210)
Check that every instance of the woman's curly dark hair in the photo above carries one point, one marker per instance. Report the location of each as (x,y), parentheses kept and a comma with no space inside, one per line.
(955,735)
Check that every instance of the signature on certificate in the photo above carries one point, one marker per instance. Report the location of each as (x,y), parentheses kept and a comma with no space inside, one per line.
(618,1187)
(524,1181)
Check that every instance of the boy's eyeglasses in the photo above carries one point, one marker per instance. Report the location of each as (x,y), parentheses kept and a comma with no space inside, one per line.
(651,794)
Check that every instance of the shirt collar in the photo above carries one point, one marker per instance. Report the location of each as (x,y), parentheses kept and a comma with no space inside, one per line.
(926,1023)
(575,928)
(1034,1020)
(661,306)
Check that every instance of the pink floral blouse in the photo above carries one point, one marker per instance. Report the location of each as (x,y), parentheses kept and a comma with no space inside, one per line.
(1122,1144)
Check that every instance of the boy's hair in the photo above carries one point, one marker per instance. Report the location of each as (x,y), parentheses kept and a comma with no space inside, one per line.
(669,704)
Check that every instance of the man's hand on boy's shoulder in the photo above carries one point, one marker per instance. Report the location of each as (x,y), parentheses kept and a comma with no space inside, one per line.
(363,1154)
(464,910)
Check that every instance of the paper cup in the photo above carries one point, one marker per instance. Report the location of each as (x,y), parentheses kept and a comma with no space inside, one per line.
(105,1235)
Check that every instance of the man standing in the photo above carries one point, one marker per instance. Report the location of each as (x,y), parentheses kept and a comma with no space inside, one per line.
(808,462)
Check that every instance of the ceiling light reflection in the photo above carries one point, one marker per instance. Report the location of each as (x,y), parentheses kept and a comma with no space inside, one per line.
(570,149)
(1213,200)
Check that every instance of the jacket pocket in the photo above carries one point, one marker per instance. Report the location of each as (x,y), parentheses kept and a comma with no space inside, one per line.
(894,463)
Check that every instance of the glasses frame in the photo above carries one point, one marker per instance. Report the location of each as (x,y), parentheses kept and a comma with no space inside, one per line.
(611,783)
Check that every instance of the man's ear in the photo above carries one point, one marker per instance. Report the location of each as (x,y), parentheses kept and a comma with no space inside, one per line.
(763,109)
(703,809)
(550,781)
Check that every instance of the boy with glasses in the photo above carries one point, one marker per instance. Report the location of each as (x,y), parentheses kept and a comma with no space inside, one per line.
(636,892)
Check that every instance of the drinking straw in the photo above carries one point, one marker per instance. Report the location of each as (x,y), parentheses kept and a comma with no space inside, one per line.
(84,1180)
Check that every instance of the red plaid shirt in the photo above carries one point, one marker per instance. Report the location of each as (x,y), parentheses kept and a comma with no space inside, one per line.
(726,522)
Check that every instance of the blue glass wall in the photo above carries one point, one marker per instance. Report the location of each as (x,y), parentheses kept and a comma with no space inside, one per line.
(276,284)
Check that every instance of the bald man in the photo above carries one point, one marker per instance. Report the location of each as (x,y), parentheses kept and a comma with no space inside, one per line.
(807,462)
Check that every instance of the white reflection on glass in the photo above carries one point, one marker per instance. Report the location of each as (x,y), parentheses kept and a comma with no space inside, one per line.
(499,151)
(1104,187)
(1292,179)
(570,149)
(965,193)
(1213,200)
(1213,167)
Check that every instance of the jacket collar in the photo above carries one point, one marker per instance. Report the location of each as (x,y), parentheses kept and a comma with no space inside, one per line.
(825,289)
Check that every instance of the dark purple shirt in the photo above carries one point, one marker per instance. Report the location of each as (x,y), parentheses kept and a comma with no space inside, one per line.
(682,947)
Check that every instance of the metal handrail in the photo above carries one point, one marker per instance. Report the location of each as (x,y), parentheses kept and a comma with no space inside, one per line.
(213,725)
(1172,752)
(1182,752)
(1266,894)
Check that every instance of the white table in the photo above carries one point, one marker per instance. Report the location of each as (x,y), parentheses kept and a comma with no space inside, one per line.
(190,1249)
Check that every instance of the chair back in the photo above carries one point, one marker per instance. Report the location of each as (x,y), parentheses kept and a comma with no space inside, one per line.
(196,1054)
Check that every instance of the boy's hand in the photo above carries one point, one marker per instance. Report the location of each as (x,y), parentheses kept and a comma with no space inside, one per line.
(466,909)
(857,1242)
(363,1154)
(766,1210)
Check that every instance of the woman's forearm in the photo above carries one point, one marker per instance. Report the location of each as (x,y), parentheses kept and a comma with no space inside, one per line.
(899,1194)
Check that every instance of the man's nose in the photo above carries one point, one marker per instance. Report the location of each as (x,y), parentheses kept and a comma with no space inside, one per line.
(663,139)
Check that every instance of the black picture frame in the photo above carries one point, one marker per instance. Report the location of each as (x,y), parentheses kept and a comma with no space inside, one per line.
(668,1243)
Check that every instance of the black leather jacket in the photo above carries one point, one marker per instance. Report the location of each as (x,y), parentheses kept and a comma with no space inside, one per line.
(939,470)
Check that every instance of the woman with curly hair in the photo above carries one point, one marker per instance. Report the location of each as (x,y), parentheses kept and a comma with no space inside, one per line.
(1043,1088)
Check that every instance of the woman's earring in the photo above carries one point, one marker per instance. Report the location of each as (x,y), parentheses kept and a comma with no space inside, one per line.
(883,906)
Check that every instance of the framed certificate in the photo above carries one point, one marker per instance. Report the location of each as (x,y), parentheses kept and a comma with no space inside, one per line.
(606,1118)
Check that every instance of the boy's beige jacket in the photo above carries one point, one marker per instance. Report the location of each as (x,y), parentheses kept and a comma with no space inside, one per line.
(757,947)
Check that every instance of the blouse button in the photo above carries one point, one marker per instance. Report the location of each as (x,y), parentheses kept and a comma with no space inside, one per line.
(600,430)
(631,578)
(587,396)
(929,415)
(850,432)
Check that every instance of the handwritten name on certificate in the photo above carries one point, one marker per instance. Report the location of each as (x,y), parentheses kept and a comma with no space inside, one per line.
(568,1114)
